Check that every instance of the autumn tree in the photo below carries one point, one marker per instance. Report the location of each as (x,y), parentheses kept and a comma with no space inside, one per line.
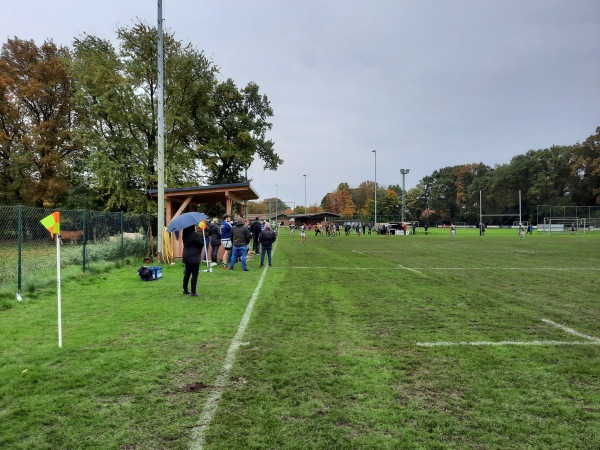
(39,156)
(390,204)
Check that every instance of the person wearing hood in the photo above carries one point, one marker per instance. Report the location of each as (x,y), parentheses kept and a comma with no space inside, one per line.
(240,237)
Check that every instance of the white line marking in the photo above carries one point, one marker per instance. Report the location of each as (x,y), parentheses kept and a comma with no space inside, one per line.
(408,268)
(210,407)
(483,343)
(591,340)
(356,251)
(445,268)
(571,331)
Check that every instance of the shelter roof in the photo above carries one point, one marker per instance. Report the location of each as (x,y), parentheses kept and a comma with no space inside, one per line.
(216,193)
(319,215)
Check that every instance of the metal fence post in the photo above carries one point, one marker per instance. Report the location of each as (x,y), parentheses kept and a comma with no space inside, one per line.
(20,244)
(84,242)
(122,237)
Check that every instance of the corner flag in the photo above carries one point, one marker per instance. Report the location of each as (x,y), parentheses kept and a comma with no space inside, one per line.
(52,223)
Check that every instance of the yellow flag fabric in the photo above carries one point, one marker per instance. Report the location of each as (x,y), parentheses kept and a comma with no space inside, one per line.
(203,225)
(52,223)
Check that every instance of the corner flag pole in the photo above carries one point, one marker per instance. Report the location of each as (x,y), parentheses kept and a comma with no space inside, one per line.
(58,289)
(208,266)
(52,224)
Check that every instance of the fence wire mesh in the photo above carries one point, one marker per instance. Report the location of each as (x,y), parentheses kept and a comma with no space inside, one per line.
(28,253)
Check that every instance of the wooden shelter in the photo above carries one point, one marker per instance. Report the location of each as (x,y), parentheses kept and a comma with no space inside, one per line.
(180,200)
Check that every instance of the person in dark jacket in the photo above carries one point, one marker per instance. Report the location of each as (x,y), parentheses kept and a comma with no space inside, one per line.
(266,238)
(192,255)
(255,229)
(240,237)
(214,231)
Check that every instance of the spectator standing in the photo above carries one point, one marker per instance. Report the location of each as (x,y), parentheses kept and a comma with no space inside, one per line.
(191,257)
(266,237)
(255,229)
(214,232)
(226,238)
(240,238)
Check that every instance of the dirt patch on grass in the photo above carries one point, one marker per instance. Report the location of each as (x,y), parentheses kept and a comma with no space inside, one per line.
(198,387)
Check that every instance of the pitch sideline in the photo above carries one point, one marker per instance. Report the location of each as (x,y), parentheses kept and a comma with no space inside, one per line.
(212,403)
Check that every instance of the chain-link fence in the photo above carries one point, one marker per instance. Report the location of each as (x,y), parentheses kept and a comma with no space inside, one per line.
(558,212)
(28,253)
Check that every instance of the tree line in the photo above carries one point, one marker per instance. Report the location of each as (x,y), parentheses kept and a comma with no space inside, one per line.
(78,129)
(78,125)
(559,176)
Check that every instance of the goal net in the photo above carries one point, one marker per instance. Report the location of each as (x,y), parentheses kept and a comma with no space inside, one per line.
(564,225)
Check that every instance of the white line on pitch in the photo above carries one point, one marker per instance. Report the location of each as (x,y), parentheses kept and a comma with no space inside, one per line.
(484,343)
(356,251)
(443,268)
(408,268)
(591,339)
(571,331)
(210,407)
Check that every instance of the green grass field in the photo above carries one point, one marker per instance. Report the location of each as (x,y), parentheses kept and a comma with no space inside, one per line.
(372,342)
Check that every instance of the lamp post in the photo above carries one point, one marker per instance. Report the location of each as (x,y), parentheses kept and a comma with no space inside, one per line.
(305,208)
(403,172)
(375,224)
(276,201)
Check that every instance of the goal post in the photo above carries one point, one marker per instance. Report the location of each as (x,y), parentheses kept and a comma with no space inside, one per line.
(563,224)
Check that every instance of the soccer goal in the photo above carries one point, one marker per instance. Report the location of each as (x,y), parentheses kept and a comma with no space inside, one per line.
(562,225)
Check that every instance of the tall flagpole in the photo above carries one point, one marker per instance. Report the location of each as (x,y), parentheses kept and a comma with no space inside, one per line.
(375,224)
(161,136)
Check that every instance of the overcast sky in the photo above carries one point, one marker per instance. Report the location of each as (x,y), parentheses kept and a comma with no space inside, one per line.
(426,83)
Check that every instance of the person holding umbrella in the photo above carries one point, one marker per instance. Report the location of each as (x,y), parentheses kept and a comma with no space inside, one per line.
(192,256)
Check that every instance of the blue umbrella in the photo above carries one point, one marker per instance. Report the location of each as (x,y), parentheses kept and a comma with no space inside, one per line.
(186,220)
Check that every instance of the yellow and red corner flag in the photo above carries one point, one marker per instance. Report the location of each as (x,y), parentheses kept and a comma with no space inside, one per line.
(203,225)
(52,223)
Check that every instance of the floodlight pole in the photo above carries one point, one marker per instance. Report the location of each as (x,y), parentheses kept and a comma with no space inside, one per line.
(375,224)
(480,213)
(520,220)
(161,137)
(276,201)
(305,207)
(403,172)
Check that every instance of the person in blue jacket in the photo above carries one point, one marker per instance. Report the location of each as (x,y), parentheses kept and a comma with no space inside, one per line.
(226,238)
